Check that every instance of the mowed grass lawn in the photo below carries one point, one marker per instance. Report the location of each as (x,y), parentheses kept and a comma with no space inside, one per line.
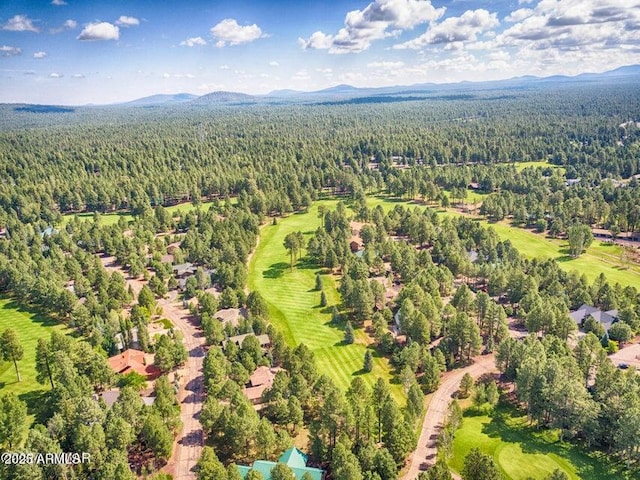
(29,326)
(294,305)
(521,452)
(112,218)
(600,257)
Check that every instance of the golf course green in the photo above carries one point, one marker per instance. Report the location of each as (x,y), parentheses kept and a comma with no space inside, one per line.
(294,305)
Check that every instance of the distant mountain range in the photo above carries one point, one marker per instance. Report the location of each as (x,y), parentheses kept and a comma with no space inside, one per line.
(340,94)
(346,92)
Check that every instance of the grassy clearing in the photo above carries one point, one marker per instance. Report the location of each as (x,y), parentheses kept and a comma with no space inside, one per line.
(112,218)
(537,164)
(29,326)
(601,257)
(294,305)
(522,452)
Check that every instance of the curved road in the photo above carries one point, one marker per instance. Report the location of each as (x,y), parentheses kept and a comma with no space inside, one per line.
(425,454)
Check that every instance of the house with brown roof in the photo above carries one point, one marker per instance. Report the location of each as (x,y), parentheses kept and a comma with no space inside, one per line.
(133,361)
(265,341)
(259,381)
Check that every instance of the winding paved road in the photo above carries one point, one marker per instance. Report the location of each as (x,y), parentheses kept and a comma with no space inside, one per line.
(425,454)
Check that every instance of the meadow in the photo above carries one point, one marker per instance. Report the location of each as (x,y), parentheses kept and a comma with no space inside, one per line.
(294,304)
(523,452)
(29,326)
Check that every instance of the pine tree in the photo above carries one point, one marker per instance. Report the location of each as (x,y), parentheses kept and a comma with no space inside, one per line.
(323,299)
(368,361)
(349,335)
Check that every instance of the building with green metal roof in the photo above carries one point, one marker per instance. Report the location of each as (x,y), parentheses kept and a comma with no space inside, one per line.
(293,458)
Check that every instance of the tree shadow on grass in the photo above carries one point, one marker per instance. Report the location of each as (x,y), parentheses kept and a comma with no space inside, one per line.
(276,270)
(588,464)
(36,316)
(37,404)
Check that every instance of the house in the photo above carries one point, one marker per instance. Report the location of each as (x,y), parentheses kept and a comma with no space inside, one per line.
(3,233)
(355,246)
(133,361)
(607,318)
(259,381)
(265,341)
(230,316)
(571,182)
(602,233)
(183,270)
(111,396)
(293,458)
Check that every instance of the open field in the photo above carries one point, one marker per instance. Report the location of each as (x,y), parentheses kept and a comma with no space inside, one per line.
(294,305)
(601,257)
(522,452)
(112,218)
(537,164)
(29,326)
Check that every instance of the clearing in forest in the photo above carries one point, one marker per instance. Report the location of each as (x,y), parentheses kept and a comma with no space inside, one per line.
(294,304)
(521,451)
(29,326)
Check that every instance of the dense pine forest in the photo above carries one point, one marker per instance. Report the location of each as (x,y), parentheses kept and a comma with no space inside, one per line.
(427,289)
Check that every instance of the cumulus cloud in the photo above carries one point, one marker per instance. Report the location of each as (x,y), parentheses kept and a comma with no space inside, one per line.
(224,67)
(70,24)
(193,42)
(380,19)
(519,15)
(228,32)
(20,23)
(78,75)
(8,51)
(125,21)
(39,55)
(58,3)
(99,31)
(274,64)
(454,30)
(55,75)
(571,24)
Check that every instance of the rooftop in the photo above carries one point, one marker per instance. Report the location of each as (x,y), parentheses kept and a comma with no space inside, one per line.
(293,458)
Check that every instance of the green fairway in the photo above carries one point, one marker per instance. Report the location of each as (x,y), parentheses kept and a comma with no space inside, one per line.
(523,452)
(601,257)
(294,306)
(29,326)
(112,218)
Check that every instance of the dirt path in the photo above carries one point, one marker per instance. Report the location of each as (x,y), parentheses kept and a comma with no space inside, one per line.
(425,454)
(190,441)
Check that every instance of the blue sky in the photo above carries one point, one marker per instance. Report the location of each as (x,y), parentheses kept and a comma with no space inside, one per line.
(77,52)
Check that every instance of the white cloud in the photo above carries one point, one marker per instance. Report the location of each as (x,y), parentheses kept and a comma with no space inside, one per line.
(193,41)
(228,32)
(178,75)
(67,25)
(20,23)
(58,3)
(301,75)
(8,51)
(224,67)
(325,71)
(99,31)
(380,19)
(78,75)
(273,63)
(519,15)
(125,21)
(454,30)
(385,65)
(55,75)
(39,55)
